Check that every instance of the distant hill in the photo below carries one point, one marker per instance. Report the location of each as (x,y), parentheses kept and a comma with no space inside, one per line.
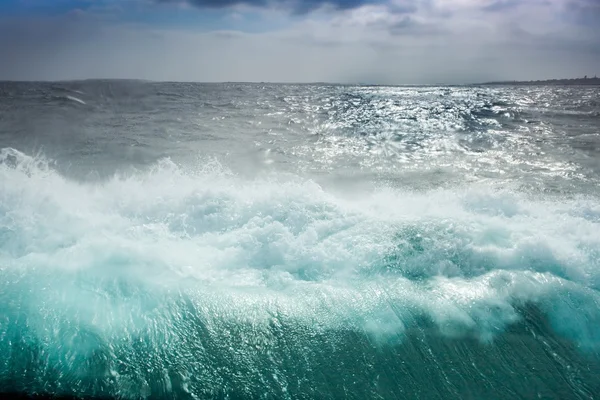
(574,81)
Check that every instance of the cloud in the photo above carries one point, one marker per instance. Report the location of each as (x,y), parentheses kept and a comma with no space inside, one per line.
(501,5)
(398,41)
(298,6)
(584,12)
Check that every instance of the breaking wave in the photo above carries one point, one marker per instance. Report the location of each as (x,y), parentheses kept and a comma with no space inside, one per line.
(191,282)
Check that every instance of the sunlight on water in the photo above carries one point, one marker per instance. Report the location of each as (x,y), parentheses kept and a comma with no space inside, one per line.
(299,241)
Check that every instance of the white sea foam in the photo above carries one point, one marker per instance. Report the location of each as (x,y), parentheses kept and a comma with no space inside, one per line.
(75,99)
(116,257)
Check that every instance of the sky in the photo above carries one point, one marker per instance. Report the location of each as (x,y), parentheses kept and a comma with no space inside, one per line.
(345,41)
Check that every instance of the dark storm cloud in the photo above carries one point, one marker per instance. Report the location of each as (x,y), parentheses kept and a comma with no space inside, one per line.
(298,6)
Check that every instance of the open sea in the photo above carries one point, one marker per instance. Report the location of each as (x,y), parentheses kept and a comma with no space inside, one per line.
(261,241)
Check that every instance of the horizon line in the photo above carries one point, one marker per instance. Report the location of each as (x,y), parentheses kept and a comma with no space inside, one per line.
(489,82)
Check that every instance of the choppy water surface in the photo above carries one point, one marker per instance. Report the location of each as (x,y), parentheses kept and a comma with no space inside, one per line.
(181,241)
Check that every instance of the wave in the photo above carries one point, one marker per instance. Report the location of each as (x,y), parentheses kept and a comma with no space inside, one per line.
(191,279)
(75,99)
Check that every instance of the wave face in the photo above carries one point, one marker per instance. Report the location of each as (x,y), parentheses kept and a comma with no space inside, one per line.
(190,279)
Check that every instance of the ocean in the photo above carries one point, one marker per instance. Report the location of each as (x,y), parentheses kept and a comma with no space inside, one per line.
(262,241)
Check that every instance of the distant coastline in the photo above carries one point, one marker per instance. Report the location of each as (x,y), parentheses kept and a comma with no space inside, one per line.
(574,81)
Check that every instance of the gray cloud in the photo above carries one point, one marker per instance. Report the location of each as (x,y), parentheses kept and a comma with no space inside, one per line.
(584,12)
(408,25)
(502,5)
(298,6)
(451,41)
